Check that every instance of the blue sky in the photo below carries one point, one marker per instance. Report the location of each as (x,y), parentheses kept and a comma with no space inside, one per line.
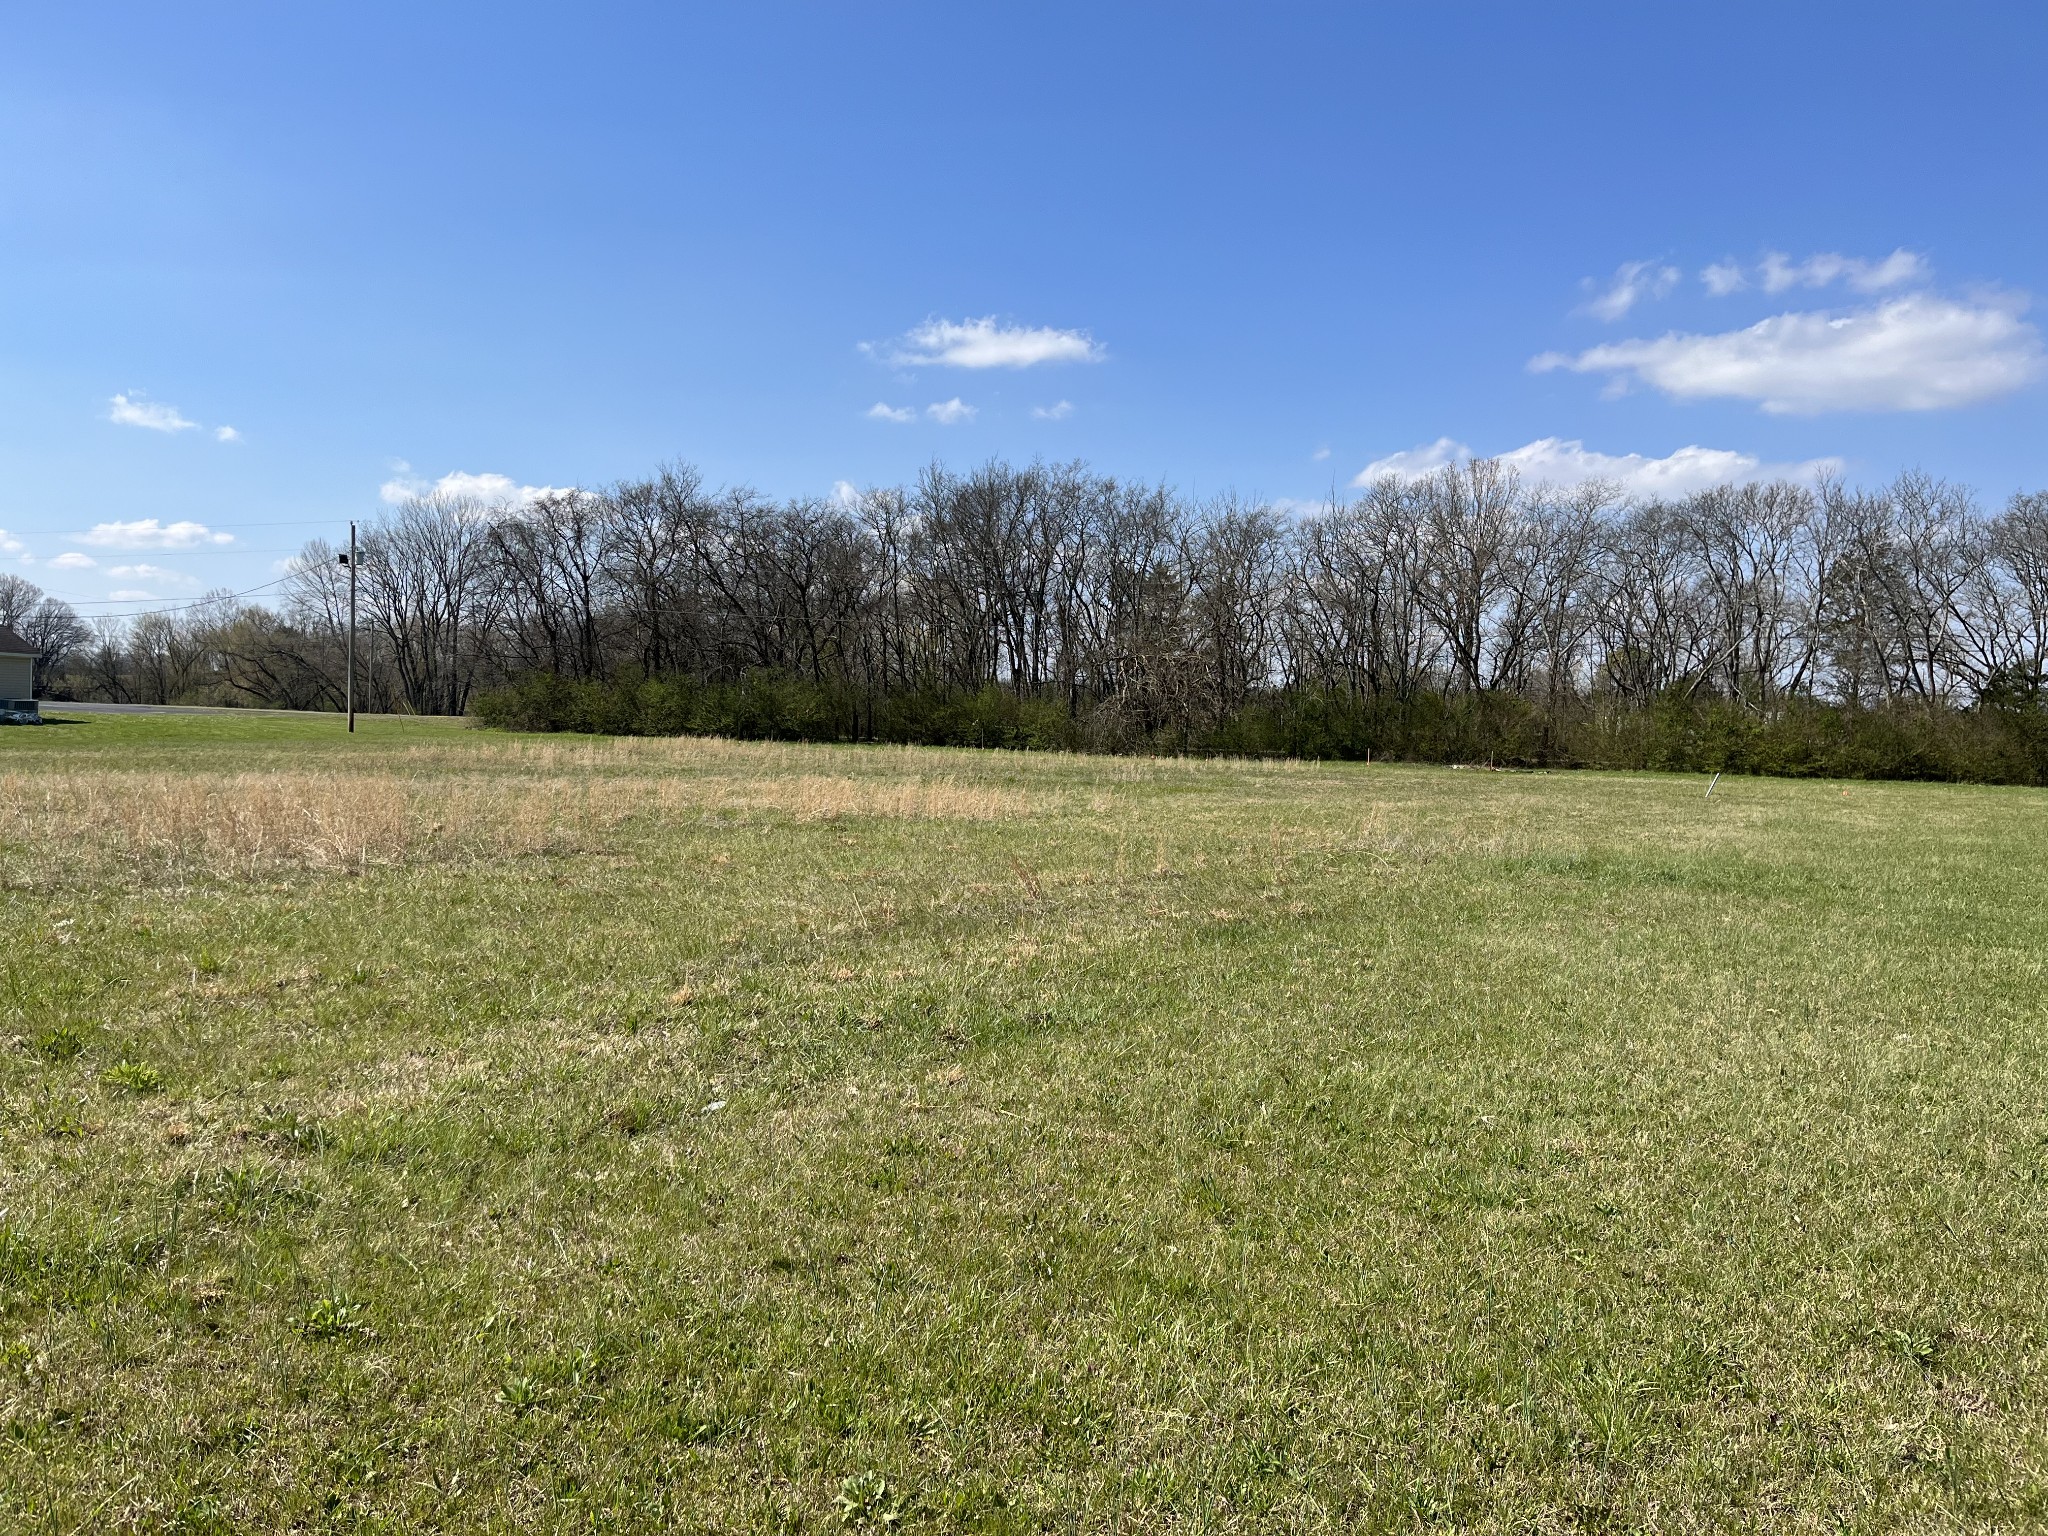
(1262,247)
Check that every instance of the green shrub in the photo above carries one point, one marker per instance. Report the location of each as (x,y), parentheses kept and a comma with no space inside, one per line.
(2003,741)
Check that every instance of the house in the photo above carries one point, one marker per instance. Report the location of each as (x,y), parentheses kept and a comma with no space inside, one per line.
(17,666)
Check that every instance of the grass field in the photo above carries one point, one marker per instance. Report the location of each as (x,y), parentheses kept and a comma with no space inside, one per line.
(448,1131)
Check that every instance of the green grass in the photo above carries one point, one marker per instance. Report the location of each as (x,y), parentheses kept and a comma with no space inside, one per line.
(1110,1146)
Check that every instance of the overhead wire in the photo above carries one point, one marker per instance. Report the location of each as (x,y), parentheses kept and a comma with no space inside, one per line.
(199,602)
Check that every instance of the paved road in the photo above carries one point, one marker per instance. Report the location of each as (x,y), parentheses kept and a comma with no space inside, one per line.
(65,707)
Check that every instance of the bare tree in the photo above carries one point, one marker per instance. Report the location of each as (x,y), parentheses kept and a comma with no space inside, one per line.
(1147,618)
(1470,516)
(1233,554)
(427,582)
(2012,591)
(49,624)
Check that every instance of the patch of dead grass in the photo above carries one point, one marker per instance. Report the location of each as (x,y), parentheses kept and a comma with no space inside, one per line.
(250,825)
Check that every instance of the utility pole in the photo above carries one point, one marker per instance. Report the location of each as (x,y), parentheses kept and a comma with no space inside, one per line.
(349,560)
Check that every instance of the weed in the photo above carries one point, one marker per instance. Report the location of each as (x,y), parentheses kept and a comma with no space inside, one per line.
(65,1123)
(135,1076)
(588,1367)
(62,1043)
(698,1424)
(866,1501)
(1916,1346)
(520,1395)
(335,1317)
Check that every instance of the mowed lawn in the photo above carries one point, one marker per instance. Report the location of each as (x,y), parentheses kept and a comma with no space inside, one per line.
(440,1130)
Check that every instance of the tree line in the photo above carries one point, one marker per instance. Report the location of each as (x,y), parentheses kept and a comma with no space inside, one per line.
(1464,615)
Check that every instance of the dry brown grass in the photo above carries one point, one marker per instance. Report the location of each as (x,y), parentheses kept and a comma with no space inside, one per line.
(248,825)
(717,754)
(824,797)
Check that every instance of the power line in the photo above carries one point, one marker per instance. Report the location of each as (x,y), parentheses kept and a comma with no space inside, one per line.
(171,554)
(201,602)
(291,522)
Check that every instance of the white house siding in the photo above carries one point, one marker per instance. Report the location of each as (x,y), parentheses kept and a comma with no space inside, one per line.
(17,677)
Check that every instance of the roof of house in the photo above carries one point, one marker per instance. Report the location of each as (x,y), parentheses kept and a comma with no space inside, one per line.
(12,644)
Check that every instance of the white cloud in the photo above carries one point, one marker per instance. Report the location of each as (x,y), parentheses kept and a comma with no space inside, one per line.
(1414,463)
(492,490)
(491,487)
(985,344)
(148,533)
(844,493)
(1723,278)
(1918,352)
(1778,272)
(897,413)
(1568,461)
(12,548)
(950,412)
(138,412)
(70,560)
(1633,281)
(130,595)
(1295,506)
(1320,454)
(1560,461)
(1058,412)
(152,573)
(226,435)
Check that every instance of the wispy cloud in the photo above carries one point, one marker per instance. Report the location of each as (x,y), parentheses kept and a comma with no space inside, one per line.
(1723,278)
(1918,352)
(950,412)
(134,411)
(896,413)
(12,548)
(493,490)
(985,343)
(845,493)
(1414,463)
(1319,455)
(1059,411)
(148,533)
(74,560)
(1778,272)
(155,574)
(131,595)
(1568,461)
(1633,282)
